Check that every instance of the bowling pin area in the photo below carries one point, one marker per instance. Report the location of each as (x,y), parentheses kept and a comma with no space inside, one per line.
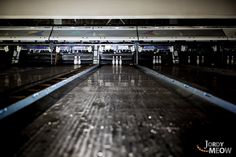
(77,60)
(109,91)
(116,60)
(156,60)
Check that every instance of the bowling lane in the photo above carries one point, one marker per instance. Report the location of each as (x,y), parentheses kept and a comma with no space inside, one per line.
(16,77)
(118,111)
(220,82)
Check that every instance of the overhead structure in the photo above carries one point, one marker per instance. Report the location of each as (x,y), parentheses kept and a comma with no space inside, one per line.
(181,33)
(113,9)
(116,34)
(25,33)
(94,33)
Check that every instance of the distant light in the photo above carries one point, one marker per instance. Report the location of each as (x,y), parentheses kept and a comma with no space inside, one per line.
(6,48)
(18,48)
(58,49)
(117,27)
(108,47)
(149,117)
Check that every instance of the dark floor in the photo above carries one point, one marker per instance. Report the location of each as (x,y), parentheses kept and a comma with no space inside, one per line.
(219,82)
(121,112)
(15,77)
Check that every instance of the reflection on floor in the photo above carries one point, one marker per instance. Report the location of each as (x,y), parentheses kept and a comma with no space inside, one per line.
(121,112)
(16,77)
(220,82)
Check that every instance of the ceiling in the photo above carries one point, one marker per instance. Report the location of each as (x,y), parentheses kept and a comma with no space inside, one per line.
(117,9)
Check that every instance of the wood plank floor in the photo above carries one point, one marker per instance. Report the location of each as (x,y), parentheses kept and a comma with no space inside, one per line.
(122,112)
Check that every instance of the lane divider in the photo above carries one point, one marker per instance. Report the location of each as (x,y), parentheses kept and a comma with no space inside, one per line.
(202,94)
(38,95)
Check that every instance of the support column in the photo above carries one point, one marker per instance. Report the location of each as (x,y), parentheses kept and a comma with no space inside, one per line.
(95,55)
(136,53)
(51,51)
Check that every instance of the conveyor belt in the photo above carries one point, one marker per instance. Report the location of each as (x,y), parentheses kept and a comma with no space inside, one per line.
(120,111)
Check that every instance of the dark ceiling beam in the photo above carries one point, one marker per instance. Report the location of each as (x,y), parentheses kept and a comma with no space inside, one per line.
(120,22)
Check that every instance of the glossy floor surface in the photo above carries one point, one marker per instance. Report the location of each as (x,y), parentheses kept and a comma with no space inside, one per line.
(121,112)
(219,82)
(16,77)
